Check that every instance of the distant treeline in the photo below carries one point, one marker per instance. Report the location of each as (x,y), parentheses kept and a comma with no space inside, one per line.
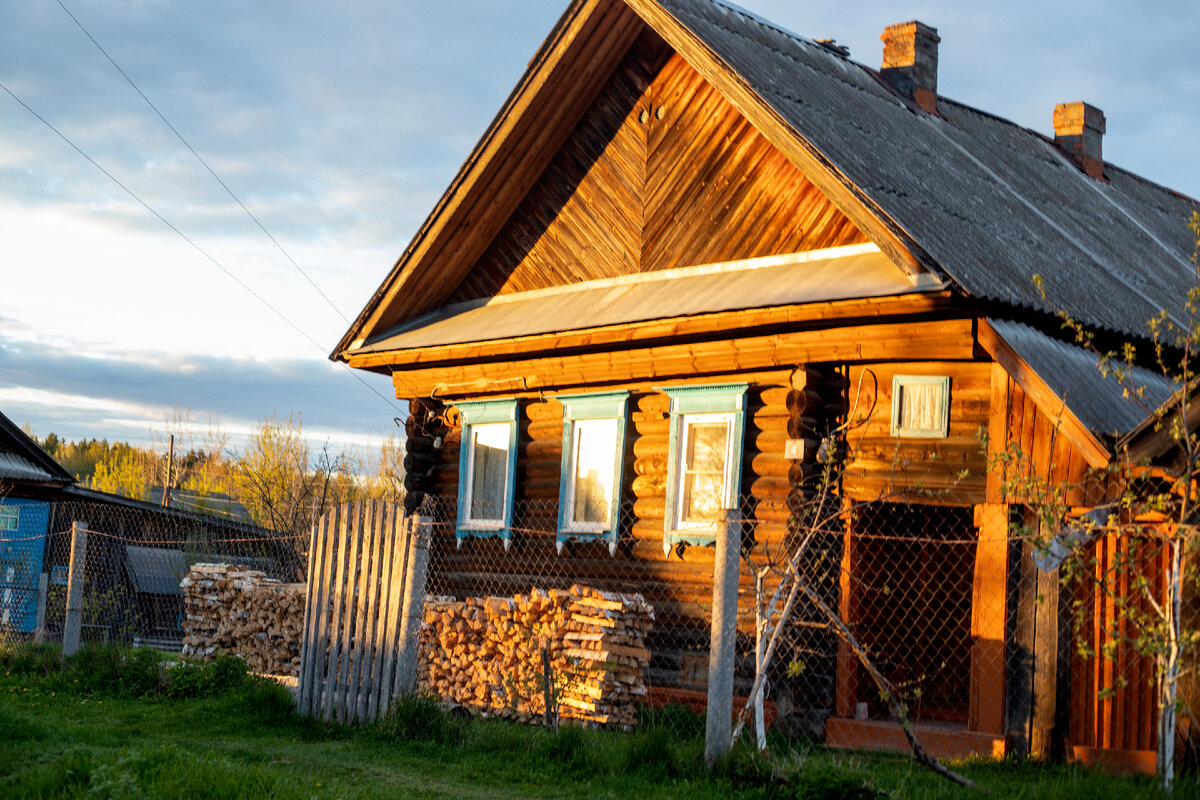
(276,480)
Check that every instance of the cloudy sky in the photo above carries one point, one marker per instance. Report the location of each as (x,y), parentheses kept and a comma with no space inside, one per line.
(338,125)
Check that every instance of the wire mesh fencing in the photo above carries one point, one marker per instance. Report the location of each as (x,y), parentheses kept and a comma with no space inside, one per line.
(132,565)
(847,614)
(866,610)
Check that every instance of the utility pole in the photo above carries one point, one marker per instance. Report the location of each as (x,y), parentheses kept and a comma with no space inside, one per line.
(166,500)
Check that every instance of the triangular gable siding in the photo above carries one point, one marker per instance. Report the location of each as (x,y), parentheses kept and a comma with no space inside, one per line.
(661,172)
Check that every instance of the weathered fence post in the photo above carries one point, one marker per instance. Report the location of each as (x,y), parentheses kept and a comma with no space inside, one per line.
(74,617)
(723,650)
(414,605)
(39,626)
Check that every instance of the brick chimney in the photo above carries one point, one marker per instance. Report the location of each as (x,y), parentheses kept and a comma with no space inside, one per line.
(1079,129)
(910,57)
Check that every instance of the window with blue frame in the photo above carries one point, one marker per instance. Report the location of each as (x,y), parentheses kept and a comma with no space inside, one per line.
(704,466)
(593,463)
(487,469)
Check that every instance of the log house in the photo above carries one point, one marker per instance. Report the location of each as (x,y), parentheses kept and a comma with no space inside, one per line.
(691,248)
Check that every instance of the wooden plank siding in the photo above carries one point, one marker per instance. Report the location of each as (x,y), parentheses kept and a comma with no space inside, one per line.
(950,471)
(660,172)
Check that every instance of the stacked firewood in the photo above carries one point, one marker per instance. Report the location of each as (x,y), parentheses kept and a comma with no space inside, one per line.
(605,637)
(234,609)
(580,650)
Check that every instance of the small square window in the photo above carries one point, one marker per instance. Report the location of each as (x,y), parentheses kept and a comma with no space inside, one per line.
(10,518)
(589,504)
(921,406)
(487,465)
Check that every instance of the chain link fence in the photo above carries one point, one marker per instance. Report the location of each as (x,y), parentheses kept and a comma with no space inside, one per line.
(909,601)
(134,560)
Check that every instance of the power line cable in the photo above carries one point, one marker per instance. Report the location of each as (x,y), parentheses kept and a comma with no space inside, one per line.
(199,158)
(190,241)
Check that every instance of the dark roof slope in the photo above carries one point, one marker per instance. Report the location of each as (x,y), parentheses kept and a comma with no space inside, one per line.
(22,459)
(991,203)
(1100,401)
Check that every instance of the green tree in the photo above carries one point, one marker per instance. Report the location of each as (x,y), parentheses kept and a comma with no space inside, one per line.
(1154,516)
(125,472)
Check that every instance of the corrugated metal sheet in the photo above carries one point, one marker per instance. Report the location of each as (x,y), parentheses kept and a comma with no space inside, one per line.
(992,203)
(756,283)
(18,467)
(156,570)
(1074,375)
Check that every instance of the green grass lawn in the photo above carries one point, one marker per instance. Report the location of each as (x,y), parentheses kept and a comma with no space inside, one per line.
(80,731)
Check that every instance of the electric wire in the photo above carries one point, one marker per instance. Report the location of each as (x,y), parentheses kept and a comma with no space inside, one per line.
(199,158)
(191,242)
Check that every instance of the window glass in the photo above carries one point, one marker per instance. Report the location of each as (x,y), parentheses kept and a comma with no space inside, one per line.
(704,459)
(704,467)
(919,405)
(594,458)
(9,518)
(489,470)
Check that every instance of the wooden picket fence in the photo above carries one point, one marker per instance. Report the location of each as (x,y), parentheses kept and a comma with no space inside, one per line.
(366,588)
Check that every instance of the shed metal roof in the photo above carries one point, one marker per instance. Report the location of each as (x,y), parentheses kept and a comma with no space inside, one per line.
(855,271)
(1100,402)
(156,570)
(22,459)
(16,467)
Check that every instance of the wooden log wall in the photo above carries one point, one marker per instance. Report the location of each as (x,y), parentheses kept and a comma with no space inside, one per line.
(662,171)
(678,584)
(951,471)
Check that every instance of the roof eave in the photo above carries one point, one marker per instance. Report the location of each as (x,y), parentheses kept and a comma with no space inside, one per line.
(1092,447)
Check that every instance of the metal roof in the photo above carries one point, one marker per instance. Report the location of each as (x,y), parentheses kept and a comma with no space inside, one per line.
(156,570)
(22,459)
(855,271)
(17,467)
(990,202)
(1100,402)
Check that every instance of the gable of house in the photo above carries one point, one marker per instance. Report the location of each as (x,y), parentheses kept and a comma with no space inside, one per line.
(661,172)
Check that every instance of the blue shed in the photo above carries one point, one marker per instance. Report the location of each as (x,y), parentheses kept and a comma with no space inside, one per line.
(23,528)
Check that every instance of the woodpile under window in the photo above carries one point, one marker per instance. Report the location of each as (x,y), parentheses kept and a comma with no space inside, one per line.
(581,648)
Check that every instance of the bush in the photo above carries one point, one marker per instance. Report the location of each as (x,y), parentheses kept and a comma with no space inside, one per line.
(197,679)
(31,658)
(421,718)
(97,667)
(266,701)
(142,674)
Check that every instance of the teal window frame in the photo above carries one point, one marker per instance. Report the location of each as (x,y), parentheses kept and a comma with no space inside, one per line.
(582,408)
(687,404)
(475,413)
(941,427)
(10,518)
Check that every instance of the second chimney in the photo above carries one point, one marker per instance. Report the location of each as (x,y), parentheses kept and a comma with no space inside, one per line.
(1079,129)
(910,57)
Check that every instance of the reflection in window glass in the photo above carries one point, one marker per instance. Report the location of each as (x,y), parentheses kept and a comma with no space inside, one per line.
(9,518)
(704,458)
(489,470)
(594,462)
